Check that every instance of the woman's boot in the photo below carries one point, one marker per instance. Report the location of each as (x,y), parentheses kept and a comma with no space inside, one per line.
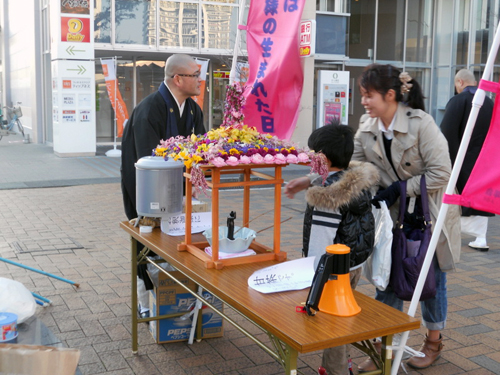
(432,350)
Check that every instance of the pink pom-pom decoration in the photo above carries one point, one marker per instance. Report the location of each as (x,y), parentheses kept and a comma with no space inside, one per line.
(245,160)
(257,159)
(218,161)
(292,159)
(303,157)
(232,161)
(280,159)
(269,159)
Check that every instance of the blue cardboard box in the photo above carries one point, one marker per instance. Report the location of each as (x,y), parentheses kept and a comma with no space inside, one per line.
(170,298)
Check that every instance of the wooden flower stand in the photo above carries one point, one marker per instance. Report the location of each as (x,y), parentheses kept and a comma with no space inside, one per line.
(263,252)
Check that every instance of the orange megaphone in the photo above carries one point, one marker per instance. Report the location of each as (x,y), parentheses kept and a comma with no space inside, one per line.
(336,294)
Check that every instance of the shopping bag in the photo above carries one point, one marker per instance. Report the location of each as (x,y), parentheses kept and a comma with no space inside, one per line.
(411,238)
(377,268)
(15,298)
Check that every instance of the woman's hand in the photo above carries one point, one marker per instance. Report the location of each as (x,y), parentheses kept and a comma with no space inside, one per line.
(389,195)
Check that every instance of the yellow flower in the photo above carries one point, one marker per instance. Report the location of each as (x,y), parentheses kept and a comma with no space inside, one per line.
(160,151)
(201,148)
(188,163)
(197,158)
(234,151)
(194,138)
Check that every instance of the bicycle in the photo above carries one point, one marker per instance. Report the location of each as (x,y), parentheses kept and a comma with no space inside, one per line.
(6,126)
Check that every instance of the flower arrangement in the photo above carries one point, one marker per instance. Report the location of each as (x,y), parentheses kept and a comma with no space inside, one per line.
(233,106)
(233,145)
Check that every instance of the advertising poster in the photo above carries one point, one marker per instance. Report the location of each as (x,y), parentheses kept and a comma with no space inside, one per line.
(333,97)
(115,97)
(68,100)
(85,115)
(203,66)
(68,115)
(76,30)
(75,6)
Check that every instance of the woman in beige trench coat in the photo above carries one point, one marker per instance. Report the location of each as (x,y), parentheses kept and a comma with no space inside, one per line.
(404,142)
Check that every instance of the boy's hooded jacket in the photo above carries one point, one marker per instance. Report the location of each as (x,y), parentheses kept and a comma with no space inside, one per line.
(341,212)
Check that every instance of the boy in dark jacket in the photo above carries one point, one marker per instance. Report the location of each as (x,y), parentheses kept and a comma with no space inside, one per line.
(340,211)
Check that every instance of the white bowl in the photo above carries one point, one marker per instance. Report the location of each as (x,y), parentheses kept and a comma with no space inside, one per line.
(241,242)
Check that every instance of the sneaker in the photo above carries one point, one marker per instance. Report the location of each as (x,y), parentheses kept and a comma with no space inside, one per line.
(479,244)
(143,313)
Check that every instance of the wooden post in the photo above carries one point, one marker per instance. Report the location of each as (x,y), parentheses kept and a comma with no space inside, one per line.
(215,213)
(277,211)
(246,198)
(189,194)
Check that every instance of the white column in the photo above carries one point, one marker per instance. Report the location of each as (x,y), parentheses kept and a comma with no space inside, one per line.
(305,121)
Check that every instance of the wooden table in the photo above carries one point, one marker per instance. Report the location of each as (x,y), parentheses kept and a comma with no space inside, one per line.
(290,332)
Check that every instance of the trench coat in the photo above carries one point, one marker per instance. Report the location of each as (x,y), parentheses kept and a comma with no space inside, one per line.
(418,147)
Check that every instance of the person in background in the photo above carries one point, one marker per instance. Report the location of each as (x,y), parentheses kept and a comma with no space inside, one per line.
(168,112)
(339,211)
(474,222)
(403,142)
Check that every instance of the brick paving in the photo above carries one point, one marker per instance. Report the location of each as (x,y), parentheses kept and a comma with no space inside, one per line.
(72,231)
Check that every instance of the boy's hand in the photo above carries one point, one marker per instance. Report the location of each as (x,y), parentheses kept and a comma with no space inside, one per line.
(296,185)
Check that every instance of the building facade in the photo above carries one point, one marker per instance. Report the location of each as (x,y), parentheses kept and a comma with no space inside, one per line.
(430,39)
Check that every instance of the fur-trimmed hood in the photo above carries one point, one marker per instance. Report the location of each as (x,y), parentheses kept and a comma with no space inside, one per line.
(358,177)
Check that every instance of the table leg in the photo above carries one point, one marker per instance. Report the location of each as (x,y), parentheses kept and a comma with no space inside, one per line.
(291,356)
(134,294)
(284,354)
(386,354)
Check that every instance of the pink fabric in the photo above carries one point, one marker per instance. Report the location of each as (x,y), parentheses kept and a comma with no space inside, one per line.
(488,85)
(482,190)
(276,76)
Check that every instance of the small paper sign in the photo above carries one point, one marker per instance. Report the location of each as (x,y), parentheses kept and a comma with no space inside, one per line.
(292,275)
(176,225)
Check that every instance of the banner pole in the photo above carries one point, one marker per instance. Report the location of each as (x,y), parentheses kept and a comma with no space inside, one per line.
(232,74)
(477,103)
(114,152)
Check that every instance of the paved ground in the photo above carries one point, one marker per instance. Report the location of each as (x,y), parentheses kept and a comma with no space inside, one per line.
(71,229)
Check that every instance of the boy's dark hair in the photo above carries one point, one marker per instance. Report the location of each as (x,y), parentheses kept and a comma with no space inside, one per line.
(335,141)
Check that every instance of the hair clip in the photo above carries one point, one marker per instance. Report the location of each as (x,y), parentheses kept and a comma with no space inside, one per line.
(405,78)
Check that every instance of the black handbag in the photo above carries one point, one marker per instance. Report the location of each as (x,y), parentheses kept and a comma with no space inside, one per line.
(411,238)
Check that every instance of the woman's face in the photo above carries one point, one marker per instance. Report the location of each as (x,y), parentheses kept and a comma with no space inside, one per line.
(374,103)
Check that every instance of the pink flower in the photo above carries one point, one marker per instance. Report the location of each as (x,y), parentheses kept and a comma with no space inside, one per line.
(218,161)
(303,158)
(245,160)
(257,159)
(236,114)
(269,159)
(292,159)
(232,161)
(280,159)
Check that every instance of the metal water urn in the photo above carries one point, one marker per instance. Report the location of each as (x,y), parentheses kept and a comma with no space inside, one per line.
(158,186)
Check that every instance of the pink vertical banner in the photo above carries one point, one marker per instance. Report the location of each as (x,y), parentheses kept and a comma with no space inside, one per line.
(276,77)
